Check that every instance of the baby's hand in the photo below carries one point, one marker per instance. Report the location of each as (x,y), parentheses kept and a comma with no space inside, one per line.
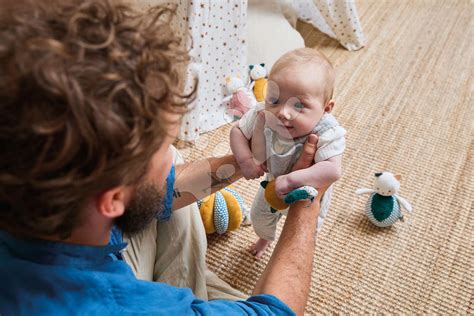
(260,120)
(251,170)
(283,186)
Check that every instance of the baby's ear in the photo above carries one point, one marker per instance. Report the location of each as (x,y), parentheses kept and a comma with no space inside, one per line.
(329,106)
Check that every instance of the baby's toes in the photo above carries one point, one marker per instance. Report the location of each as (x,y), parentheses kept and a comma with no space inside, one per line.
(253,249)
(259,254)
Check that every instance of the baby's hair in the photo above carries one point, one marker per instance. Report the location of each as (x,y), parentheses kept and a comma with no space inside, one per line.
(301,57)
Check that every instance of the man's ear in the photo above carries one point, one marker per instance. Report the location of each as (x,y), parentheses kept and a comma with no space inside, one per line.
(329,106)
(111,203)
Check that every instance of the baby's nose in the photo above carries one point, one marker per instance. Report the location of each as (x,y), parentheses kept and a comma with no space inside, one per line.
(284,113)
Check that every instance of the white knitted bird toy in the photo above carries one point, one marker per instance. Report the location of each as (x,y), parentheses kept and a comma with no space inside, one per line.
(383,207)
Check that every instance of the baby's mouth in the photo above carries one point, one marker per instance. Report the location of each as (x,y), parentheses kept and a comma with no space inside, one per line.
(285,126)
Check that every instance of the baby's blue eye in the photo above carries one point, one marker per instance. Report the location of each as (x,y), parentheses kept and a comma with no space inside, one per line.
(273,100)
(299,105)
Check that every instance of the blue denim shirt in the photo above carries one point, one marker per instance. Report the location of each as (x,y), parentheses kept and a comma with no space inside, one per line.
(40,277)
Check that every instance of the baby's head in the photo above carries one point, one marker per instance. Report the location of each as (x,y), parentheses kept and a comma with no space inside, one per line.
(300,90)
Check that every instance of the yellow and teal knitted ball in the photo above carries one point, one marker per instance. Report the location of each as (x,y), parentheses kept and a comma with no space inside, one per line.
(222,211)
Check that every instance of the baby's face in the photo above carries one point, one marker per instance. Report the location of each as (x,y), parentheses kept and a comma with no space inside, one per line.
(294,102)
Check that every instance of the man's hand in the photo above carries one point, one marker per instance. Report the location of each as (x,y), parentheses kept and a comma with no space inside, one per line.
(306,159)
(283,183)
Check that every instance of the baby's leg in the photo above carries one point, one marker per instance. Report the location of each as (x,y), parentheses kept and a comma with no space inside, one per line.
(264,224)
(258,248)
(325,203)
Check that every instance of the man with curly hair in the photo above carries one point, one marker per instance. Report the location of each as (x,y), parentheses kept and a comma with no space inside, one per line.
(90,102)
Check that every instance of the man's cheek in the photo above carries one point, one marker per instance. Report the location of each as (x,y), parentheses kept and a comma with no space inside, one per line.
(162,163)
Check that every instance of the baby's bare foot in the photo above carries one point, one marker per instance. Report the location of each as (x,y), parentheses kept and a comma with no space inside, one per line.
(258,248)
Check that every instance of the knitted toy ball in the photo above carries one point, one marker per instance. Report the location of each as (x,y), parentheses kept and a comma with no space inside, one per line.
(222,211)
(276,204)
(271,197)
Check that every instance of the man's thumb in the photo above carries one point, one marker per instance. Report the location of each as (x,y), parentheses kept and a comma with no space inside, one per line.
(313,139)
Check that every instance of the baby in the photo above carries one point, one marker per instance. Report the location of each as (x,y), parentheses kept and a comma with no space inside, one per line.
(269,138)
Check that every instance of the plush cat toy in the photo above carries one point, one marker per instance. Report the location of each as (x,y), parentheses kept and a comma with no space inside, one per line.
(276,204)
(258,74)
(239,99)
(383,207)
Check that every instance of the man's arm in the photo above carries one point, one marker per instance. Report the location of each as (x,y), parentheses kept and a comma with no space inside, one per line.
(288,273)
(198,179)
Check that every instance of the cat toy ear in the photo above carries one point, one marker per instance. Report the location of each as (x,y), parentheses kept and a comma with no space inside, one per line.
(264,184)
(378,174)
(262,64)
(251,67)
(398,177)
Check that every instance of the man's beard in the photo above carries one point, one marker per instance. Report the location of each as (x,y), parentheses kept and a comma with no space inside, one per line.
(145,205)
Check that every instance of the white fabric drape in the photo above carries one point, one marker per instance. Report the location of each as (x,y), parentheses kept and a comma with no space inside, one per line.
(216,32)
(336,18)
(218,50)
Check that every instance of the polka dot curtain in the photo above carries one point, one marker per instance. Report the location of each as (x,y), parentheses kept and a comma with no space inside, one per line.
(218,31)
(336,18)
(216,36)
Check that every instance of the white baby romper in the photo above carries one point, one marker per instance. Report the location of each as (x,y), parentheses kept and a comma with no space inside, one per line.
(331,143)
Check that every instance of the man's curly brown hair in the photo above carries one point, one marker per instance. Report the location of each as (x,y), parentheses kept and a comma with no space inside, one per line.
(83,86)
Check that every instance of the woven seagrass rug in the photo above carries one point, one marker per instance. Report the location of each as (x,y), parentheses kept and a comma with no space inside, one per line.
(406,102)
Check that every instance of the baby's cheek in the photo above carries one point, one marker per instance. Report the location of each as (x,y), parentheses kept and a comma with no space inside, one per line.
(304,125)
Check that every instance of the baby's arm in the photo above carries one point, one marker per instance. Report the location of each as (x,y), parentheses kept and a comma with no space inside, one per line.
(241,149)
(258,139)
(319,175)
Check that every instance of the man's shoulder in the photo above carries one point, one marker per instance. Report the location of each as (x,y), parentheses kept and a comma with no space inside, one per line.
(39,285)
(110,289)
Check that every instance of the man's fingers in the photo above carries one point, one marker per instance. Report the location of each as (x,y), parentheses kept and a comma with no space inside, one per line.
(307,155)
(321,192)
